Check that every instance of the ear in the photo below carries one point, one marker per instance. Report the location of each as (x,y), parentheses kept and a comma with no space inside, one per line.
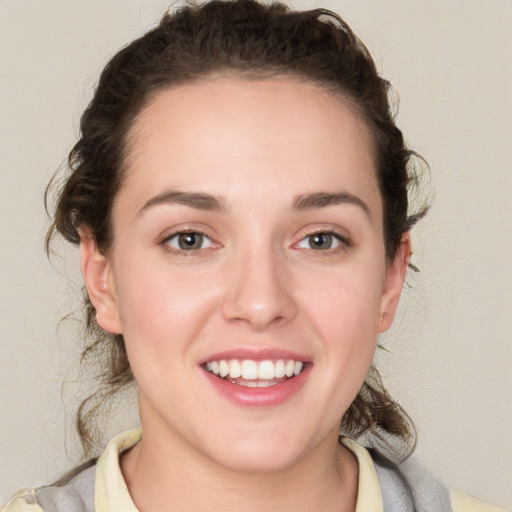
(99,281)
(395,276)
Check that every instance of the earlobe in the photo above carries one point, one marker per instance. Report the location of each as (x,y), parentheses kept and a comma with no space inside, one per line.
(97,274)
(395,276)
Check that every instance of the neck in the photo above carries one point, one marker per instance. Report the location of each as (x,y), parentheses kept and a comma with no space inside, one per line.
(325,479)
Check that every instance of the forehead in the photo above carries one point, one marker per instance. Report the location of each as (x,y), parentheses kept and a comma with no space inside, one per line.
(228,134)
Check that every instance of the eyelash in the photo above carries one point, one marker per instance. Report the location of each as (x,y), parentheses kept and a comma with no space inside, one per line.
(342,242)
(166,242)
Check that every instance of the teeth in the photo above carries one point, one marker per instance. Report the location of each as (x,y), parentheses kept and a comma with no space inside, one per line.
(235,369)
(279,369)
(249,369)
(266,370)
(258,383)
(223,368)
(262,372)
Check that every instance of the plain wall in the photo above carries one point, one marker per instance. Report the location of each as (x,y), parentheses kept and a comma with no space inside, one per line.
(451,351)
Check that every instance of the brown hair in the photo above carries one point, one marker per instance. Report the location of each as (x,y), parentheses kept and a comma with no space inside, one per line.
(245,38)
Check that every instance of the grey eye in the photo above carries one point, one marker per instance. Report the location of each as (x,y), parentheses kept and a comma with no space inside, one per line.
(322,241)
(189,241)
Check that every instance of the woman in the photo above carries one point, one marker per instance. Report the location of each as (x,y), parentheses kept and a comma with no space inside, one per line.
(239,195)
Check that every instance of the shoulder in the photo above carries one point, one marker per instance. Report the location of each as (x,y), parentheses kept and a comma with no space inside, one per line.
(23,501)
(408,485)
(464,503)
(78,491)
(75,492)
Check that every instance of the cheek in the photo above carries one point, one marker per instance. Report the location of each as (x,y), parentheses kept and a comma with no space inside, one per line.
(161,308)
(162,315)
(345,301)
(345,314)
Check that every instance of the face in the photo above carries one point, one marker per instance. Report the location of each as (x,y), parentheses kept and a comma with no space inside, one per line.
(248,272)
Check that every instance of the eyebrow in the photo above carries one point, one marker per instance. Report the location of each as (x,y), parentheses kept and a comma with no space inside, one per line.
(202,201)
(324,199)
(196,200)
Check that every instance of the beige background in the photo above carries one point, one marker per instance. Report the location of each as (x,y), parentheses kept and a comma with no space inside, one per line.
(452,348)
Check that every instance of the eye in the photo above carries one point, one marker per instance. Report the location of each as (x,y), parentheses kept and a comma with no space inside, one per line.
(188,241)
(322,241)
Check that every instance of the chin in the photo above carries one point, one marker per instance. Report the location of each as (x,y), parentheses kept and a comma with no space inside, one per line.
(264,453)
(258,460)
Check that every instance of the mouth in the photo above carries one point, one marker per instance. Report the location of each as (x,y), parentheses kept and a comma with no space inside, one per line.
(255,374)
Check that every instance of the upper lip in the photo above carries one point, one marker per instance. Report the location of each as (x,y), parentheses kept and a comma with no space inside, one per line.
(256,354)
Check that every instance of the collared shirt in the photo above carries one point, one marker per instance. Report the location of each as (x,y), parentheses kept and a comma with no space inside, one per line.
(112,495)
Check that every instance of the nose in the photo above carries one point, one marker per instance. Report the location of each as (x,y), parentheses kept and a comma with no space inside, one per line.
(260,291)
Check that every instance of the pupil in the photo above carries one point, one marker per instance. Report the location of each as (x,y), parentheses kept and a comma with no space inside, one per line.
(189,241)
(321,241)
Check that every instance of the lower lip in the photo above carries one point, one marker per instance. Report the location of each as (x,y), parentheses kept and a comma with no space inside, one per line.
(259,397)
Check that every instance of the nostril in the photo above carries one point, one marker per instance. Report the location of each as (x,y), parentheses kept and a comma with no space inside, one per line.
(259,293)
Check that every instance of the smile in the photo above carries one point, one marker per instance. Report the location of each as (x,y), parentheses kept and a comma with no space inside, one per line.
(252,374)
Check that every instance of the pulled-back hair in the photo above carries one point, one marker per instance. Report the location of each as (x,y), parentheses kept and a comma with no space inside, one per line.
(247,39)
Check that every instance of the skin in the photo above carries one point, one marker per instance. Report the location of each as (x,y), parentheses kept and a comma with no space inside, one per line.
(257,147)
